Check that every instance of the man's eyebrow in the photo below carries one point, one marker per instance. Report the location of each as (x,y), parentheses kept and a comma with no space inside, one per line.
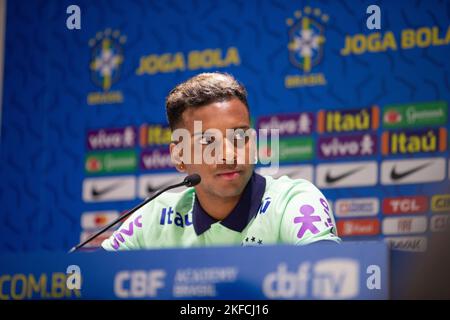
(244,127)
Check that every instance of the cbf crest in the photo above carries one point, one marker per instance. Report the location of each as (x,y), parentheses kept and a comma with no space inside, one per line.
(106,65)
(306,31)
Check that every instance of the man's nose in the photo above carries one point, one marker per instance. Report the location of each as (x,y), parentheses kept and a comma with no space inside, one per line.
(229,152)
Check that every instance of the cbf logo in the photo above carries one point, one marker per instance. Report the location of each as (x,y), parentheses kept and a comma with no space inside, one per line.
(105,65)
(306,45)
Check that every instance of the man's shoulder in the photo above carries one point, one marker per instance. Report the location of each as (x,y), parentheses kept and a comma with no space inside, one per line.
(285,184)
(181,202)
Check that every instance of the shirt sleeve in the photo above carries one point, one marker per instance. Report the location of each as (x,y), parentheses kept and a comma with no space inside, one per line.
(307,216)
(127,236)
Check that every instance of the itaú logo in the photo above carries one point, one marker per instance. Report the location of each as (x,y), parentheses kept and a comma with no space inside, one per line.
(325,279)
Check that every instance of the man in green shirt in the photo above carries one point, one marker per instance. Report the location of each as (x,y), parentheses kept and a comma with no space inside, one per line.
(232,205)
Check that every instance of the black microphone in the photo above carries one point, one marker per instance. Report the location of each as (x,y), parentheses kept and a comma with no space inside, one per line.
(189,181)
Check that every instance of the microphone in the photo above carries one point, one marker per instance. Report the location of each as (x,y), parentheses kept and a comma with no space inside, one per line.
(192,180)
(189,181)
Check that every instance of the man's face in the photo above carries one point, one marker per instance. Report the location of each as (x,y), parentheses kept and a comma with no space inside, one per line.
(219,179)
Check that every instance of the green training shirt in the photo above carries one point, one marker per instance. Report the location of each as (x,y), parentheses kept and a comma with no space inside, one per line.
(270,211)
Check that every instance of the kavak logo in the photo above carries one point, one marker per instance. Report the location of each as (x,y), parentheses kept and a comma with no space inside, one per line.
(293,172)
(415,244)
(109,189)
(150,183)
(105,66)
(348,174)
(306,46)
(412,171)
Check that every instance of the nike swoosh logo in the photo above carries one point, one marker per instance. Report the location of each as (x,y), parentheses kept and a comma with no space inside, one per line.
(330,179)
(96,193)
(400,175)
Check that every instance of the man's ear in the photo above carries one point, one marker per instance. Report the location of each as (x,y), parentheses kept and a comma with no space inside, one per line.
(176,155)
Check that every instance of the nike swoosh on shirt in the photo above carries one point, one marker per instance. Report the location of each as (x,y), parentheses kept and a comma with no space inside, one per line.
(96,193)
(400,175)
(333,179)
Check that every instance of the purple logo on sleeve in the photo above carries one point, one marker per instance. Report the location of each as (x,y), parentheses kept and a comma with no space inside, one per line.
(307,220)
(126,230)
(326,208)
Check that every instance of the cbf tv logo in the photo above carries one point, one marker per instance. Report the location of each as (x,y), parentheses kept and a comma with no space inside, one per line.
(105,66)
(306,46)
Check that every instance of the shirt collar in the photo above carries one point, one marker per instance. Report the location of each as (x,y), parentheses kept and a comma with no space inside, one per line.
(241,215)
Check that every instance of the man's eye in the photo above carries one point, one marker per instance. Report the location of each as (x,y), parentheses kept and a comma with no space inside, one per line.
(239,135)
(206,140)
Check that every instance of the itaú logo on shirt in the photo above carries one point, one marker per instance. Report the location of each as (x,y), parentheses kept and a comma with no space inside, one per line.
(326,279)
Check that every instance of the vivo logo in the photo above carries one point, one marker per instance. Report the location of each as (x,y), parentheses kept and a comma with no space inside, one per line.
(288,124)
(156,159)
(111,138)
(127,229)
(326,279)
(345,146)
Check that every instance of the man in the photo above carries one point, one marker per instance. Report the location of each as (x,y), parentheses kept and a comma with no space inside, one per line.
(232,205)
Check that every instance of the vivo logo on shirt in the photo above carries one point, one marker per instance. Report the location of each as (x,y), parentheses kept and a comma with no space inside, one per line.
(127,229)
(168,216)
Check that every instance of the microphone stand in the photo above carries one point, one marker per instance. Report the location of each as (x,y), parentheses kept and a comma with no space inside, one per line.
(186,182)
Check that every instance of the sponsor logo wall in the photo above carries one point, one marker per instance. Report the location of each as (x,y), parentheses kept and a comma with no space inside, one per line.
(355,113)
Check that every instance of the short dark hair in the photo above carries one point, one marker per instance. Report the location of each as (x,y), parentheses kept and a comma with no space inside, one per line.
(200,90)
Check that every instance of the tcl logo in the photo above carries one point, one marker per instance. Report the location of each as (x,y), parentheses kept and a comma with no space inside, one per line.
(358,227)
(410,204)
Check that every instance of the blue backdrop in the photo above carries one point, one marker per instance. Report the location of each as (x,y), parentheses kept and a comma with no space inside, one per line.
(83,110)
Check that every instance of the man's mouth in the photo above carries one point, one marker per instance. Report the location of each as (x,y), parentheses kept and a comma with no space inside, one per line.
(230,175)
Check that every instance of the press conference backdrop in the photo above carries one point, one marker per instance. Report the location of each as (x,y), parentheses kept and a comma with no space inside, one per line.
(362,113)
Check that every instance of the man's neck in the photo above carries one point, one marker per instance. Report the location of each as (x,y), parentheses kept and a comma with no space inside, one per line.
(217,207)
